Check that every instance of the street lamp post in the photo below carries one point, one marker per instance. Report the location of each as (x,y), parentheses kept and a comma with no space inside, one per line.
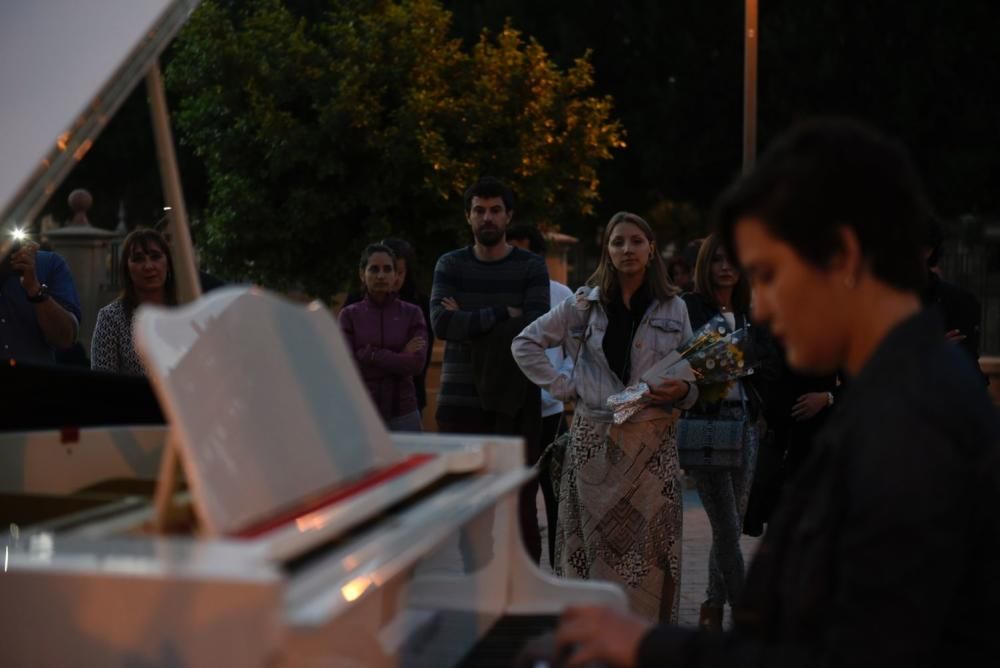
(750,85)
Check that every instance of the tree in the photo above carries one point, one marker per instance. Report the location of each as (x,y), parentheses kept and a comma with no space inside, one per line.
(319,136)
(674,71)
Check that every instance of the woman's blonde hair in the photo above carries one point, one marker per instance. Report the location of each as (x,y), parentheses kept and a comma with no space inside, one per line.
(606,276)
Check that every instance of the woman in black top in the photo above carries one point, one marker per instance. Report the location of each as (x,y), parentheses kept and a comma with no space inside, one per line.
(721,289)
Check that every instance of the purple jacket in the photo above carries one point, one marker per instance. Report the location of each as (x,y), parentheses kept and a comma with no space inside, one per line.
(377,334)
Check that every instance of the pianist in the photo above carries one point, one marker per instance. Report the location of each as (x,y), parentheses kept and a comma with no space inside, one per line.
(39,307)
(884,550)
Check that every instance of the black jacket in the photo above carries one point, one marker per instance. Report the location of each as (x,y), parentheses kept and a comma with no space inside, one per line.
(959,309)
(884,551)
(505,393)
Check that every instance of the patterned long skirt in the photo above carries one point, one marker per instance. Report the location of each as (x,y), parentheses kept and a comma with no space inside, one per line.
(621,511)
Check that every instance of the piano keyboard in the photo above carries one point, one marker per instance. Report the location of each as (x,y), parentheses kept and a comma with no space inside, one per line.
(501,645)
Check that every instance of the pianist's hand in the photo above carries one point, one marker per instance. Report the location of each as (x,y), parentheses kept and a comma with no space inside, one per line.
(600,634)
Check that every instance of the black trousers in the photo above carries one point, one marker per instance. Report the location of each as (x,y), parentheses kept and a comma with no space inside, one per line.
(552,426)
(485,423)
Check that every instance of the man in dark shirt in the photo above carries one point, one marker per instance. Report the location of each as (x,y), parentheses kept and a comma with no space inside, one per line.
(483,296)
(475,289)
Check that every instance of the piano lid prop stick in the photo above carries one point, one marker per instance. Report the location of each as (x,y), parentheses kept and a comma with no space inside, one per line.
(188,286)
(166,484)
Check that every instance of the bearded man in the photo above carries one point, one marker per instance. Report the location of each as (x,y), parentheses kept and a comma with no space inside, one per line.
(483,296)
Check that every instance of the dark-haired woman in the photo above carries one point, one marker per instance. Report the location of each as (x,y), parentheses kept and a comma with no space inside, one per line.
(408,290)
(388,337)
(721,289)
(147,277)
(620,494)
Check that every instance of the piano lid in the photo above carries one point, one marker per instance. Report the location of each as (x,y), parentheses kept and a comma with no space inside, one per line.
(265,401)
(65,68)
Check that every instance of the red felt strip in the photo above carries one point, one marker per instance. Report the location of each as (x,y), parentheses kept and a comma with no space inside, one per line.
(336,495)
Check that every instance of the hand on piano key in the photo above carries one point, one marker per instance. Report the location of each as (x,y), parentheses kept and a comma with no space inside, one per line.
(597,636)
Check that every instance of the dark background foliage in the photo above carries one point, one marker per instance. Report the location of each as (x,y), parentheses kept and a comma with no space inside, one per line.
(927,72)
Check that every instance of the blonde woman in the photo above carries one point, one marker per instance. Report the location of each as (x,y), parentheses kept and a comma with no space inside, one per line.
(619,496)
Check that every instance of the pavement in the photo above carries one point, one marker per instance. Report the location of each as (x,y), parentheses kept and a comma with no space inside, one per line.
(697,542)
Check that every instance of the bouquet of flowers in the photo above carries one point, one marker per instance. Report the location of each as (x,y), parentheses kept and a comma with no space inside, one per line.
(713,356)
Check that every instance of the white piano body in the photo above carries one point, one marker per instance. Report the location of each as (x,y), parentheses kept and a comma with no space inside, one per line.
(319,538)
(324,540)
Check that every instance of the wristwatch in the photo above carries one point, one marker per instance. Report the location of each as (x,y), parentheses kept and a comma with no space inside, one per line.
(40,296)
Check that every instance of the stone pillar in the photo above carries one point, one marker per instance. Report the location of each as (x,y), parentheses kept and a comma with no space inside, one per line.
(92,256)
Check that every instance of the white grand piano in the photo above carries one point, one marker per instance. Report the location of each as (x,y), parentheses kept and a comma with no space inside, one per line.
(303,533)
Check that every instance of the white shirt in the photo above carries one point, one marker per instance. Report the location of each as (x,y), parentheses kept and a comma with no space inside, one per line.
(550,405)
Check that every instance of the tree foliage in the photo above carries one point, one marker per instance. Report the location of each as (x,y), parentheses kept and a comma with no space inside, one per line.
(319,136)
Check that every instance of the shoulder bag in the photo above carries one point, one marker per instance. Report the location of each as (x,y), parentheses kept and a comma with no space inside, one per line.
(711,443)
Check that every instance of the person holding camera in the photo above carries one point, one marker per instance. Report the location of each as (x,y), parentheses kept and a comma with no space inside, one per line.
(39,306)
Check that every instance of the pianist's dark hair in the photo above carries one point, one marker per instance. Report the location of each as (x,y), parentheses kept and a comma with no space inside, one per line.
(830,173)
(144,238)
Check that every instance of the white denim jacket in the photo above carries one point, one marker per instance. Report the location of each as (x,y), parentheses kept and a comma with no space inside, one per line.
(582,318)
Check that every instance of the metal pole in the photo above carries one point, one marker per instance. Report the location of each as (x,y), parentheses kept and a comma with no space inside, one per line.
(750,86)
(185,269)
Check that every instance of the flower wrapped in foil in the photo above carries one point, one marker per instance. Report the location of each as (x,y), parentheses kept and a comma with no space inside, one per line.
(628,402)
(713,356)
